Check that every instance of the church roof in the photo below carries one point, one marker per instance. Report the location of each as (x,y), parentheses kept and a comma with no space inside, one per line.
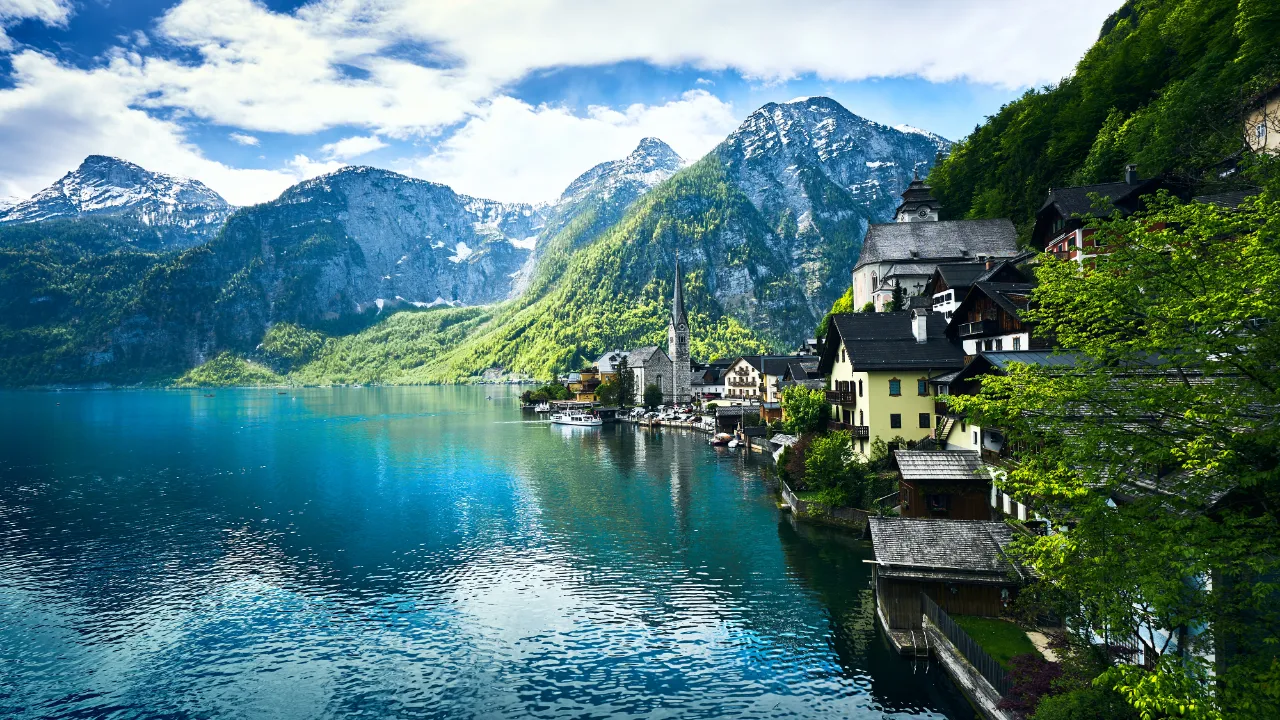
(678,316)
(940,240)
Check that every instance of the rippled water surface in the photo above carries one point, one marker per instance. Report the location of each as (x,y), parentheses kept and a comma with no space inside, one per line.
(414,552)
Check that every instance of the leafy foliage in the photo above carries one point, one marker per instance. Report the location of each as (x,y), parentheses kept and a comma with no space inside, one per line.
(1163,88)
(1172,408)
(1032,678)
(609,394)
(652,396)
(228,370)
(805,409)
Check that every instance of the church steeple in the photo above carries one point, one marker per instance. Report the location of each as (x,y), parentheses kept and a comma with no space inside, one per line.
(678,317)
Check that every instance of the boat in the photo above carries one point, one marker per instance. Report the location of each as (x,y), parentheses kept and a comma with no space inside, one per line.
(576,418)
(720,439)
(542,407)
(733,443)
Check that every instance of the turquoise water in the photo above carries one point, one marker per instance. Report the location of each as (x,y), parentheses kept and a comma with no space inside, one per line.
(414,552)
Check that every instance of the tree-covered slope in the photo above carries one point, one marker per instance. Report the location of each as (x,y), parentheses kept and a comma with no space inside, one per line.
(1164,87)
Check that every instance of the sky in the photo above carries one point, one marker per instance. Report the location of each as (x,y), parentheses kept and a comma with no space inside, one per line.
(503,99)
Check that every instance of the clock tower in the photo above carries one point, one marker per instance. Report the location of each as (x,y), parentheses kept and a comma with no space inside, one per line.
(918,203)
(678,344)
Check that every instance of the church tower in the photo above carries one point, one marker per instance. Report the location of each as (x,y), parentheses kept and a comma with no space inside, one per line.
(678,344)
(918,203)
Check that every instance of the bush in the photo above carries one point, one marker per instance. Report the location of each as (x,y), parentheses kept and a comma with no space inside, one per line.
(1033,678)
(791,463)
(751,420)
(652,396)
(1085,704)
(609,393)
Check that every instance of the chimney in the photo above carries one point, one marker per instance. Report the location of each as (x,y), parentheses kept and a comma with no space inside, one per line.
(1130,174)
(989,264)
(919,318)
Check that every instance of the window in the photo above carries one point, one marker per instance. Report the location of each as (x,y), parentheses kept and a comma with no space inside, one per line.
(895,387)
(860,420)
(1017,343)
(999,343)
(922,387)
(938,503)
(975,438)
(926,420)
(1261,131)
(895,420)
(859,388)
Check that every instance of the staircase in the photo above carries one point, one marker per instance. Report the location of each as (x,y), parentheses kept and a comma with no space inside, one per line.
(945,423)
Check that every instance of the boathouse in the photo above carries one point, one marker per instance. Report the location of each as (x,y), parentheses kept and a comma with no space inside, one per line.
(960,564)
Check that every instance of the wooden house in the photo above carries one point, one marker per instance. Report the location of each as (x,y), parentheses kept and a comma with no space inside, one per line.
(959,564)
(943,484)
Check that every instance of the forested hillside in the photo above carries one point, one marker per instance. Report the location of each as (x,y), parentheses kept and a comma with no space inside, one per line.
(1164,87)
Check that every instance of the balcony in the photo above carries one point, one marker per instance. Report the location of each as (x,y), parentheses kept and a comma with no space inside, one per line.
(940,408)
(847,398)
(742,382)
(858,431)
(981,327)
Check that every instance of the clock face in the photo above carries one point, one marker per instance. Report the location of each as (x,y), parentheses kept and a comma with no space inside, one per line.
(923,212)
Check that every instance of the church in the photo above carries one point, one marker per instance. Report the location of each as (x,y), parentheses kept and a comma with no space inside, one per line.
(672,369)
(904,253)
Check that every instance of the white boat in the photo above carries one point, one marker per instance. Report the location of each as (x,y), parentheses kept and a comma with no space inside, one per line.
(542,407)
(576,418)
(733,443)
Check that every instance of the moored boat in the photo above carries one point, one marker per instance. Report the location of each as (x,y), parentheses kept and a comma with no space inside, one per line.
(542,407)
(576,418)
(720,439)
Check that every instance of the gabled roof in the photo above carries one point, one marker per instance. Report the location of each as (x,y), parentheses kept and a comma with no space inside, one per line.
(885,341)
(1076,200)
(940,240)
(641,355)
(999,362)
(909,269)
(925,547)
(939,465)
(1230,200)
(608,362)
(1015,298)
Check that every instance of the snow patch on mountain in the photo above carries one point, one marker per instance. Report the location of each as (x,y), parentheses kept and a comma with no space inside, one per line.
(108,186)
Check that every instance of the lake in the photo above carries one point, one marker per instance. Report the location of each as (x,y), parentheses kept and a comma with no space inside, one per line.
(415,552)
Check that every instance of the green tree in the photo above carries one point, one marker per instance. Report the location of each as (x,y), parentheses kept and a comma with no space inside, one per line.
(898,301)
(626,383)
(1173,406)
(609,393)
(805,410)
(652,396)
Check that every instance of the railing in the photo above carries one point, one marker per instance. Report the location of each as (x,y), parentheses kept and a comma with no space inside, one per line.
(842,397)
(980,327)
(971,650)
(941,408)
(858,431)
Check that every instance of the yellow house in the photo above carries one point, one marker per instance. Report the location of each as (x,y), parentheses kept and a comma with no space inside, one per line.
(1262,122)
(878,367)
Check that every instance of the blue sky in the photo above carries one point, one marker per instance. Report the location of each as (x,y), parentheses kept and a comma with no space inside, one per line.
(508,99)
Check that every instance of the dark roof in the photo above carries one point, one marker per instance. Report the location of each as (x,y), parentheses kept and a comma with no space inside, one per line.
(1230,200)
(939,465)
(961,275)
(641,355)
(777,364)
(886,341)
(1076,200)
(999,361)
(910,268)
(802,368)
(940,240)
(916,194)
(1015,298)
(923,547)
(919,302)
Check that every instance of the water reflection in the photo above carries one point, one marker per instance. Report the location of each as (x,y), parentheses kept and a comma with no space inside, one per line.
(411,552)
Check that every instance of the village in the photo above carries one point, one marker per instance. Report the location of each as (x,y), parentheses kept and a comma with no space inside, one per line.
(941,306)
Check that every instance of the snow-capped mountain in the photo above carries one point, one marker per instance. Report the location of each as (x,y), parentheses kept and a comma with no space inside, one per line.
(819,174)
(607,190)
(107,186)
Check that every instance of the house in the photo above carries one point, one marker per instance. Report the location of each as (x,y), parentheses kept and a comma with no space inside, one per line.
(878,366)
(992,318)
(608,364)
(959,564)
(708,380)
(802,371)
(1262,121)
(754,378)
(583,384)
(950,282)
(943,484)
(1060,221)
(905,254)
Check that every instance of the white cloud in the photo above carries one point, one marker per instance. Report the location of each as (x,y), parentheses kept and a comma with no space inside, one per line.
(49,12)
(244,139)
(352,147)
(54,116)
(514,151)
(399,69)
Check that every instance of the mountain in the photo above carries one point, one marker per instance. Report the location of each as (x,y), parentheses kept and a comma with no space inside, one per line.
(769,225)
(185,210)
(1164,87)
